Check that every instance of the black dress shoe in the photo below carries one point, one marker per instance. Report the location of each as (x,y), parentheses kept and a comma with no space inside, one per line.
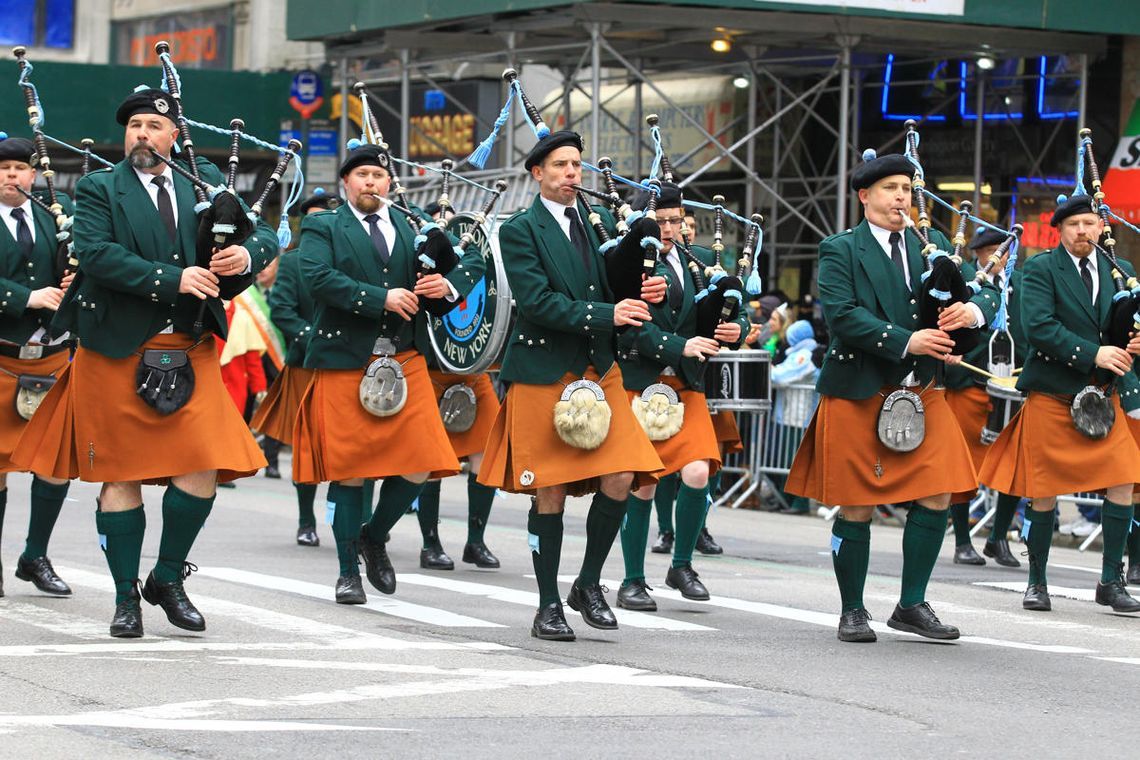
(435,558)
(1133,577)
(999,551)
(685,580)
(550,624)
(273,472)
(634,595)
(377,566)
(1112,594)
(965,555)
(307,536)
(591,602)
(921,619)
(706,544)
(173,600)
(855,626)
(127,623)
(476,553)
(1037,598)
(42,575)
(349,590)
(664,543)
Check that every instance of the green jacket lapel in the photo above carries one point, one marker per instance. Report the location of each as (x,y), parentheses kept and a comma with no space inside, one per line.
(914,261)
(1107,288)
(139,210)
(405,240)
(187,220)
(880,269)
(45,228)
(359,242)
(558,249)
(1068,274)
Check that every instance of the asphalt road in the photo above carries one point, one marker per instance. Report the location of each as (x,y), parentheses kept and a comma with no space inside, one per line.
(447,668)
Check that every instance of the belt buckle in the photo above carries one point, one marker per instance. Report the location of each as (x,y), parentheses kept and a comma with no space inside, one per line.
(384,347)
(31,352)
(668,372)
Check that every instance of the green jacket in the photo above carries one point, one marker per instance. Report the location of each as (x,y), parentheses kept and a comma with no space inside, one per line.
(19,276)
(126,290)
(959,377)
(291,308)
(1064,328)
(565,314)
(349,287)
(871,313)
(643,352)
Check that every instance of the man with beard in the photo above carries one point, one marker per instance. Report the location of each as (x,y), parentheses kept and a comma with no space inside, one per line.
(133,305)
(1066,303)
(28,353)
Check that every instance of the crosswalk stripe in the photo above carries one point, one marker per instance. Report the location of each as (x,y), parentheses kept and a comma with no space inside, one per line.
(55,619)
(1080,594)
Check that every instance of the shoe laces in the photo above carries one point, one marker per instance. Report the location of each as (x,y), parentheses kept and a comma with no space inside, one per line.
(930,610)
(187,569)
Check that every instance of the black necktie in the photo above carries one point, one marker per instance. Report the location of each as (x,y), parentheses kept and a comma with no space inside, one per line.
(23,232)
(578,237)
(897,254)
(676,288)
(1086,275)
(378,241)
(165,209)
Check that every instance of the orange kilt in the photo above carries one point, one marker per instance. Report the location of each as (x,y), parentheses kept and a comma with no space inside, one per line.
(335,439)
(727,433)
(1041,454)
(841,460)
(696,440)
(278,413)
(93,426)
(971,407)
(472,440)
(11,423)
(523,442)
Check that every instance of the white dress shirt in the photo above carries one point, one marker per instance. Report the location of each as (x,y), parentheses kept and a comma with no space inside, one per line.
(10,220)
(558,211)
(1092,259)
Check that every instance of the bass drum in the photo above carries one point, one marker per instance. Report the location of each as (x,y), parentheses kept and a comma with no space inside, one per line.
(470,338)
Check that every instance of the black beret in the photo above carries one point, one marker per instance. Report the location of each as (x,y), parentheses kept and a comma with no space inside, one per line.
(316,200)
(1078,204)
(875,168)
(145,101)
(671,197)
(987,237)
(366,155)
(554,140)
(16,149)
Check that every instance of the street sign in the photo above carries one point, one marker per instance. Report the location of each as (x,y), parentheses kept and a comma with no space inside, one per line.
(306,93)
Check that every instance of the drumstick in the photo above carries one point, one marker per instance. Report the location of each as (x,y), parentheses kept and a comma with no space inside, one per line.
(981,371)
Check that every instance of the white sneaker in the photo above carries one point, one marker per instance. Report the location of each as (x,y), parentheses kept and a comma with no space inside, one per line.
(1080,528)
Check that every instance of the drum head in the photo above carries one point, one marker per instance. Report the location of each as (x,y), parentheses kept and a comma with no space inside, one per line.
(470,338)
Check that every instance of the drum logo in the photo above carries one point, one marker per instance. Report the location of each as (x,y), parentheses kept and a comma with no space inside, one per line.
(725,382)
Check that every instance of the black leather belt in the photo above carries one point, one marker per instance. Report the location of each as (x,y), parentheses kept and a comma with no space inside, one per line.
(13,352)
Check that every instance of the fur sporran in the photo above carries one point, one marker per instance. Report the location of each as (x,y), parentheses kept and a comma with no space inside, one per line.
(1092,412)
(164,379)
(582,415)
(659,411)
(30,392)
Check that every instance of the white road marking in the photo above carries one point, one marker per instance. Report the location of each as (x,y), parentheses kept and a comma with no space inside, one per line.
(1080,594)
(55,618)
(530,599)
(149,646)
(136,723)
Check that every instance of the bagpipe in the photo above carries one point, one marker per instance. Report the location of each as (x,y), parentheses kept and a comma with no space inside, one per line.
(435,253)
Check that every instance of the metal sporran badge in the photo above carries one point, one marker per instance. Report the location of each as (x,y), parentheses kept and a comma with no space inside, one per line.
(383,389)
(902,421)
(458,408)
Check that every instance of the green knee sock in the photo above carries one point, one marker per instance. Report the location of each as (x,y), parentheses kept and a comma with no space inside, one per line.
(396,495)
(960,515)
(663,502)
(367,498)
(121,536)
(1133,539)
(922,540)
(480,498)
(428,514)
(183,516)
(714,483)
(1003,516)
(545,552)
(602,525)
(347,508)
(306,495)
(634,535)
(1038,538)
(1115,520)
(692,506)
(850,555)
(47,500)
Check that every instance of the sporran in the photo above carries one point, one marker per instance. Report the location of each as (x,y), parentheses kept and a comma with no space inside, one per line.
(1092,412)
(902,421)
(383,388)
(660,412)
(164,379)
(582,415)
(458,408)
(30,392)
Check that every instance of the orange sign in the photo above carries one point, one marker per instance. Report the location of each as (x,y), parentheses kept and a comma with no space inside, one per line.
(436,134)
(189,46)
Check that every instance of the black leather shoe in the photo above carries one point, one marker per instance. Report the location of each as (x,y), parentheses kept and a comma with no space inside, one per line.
(435,558)
(1112,594)
(349,590)
(921,619)
(664,543)
(1133,577)
(965,555)
(591,602)
(706,544)
(999,551)
(42,575)
(273,472)
(173,600)
(127,623)
(1037,598)
(634,595)
(307,536)
(550,624)
(476,553)
(855,626)
(377,566)
(685,580)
